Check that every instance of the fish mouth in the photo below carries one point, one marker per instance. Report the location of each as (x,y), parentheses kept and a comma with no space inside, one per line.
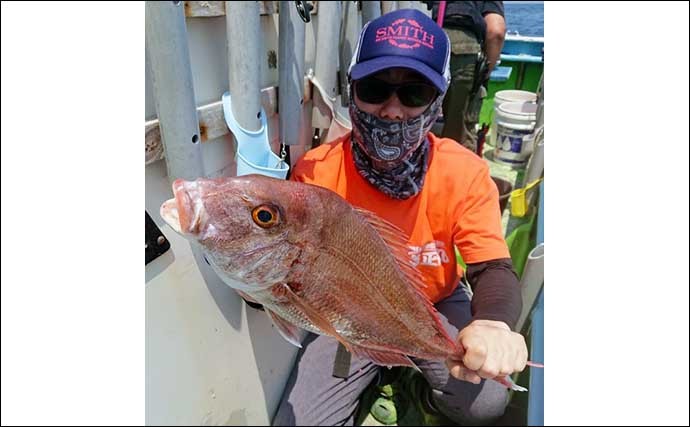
(183,213)
(170,214)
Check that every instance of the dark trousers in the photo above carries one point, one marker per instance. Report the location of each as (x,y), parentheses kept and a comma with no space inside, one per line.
(314,397)
(462,104)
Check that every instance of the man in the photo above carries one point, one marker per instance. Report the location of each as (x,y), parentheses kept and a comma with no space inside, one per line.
(477,31)
(441,195)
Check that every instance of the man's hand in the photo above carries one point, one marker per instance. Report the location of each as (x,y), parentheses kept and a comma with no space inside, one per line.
(491,350)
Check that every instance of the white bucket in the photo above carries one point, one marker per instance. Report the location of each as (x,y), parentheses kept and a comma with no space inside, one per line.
(514,126)
(503,96)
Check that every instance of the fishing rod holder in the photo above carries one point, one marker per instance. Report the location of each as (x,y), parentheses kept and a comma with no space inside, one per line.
(304,9)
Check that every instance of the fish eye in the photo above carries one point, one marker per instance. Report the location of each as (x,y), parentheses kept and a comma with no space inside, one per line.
(265,216)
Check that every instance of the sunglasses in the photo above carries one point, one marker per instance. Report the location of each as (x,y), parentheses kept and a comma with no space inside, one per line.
(412,94)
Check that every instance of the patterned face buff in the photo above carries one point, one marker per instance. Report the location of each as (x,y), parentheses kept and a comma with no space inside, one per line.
(393,155)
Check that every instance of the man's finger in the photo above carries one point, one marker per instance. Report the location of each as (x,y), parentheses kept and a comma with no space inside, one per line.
(462,373)
(475,353)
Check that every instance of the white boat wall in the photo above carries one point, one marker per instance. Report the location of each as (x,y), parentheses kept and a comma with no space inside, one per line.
(210,358)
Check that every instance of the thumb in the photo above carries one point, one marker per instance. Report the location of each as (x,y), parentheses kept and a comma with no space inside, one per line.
(459,371)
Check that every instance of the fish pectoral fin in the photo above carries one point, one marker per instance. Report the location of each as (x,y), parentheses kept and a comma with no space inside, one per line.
(247,297)
(383,358)
(287,330)
(313,315)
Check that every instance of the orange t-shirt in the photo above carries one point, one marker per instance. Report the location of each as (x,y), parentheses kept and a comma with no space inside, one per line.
(458,205)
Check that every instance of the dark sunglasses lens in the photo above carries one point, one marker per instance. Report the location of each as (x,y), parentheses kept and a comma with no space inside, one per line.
(416,95)
(372,91)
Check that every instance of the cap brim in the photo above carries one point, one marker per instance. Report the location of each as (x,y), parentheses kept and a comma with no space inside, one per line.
(380,63)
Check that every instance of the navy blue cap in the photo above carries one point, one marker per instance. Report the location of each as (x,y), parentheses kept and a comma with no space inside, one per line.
(404,38)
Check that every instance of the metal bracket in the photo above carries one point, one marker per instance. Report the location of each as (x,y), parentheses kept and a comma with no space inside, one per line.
(304,10)
(156,243)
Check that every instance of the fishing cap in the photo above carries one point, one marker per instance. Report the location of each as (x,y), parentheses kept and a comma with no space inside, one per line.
(404,38)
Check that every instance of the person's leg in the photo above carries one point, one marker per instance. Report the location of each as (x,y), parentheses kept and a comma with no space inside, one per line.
(471,118)
(313,396)
(455,102)
(464,48)
(461,401)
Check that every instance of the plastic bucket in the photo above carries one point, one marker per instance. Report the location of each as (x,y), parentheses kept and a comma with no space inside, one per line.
(514,126)
(504,96)
(513,95)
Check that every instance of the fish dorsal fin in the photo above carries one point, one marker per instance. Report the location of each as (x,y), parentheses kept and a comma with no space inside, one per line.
(397,241)
(287,330)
